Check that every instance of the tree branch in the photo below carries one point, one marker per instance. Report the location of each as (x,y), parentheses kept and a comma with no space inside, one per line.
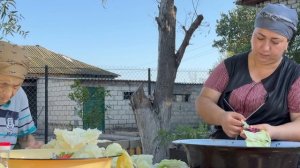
(187,38)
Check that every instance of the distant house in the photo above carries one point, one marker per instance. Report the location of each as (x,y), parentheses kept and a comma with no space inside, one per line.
(63,71)
(61,65)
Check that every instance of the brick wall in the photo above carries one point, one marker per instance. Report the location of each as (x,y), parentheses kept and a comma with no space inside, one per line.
(119,114)
(61,113)
(291,3)
(184,112)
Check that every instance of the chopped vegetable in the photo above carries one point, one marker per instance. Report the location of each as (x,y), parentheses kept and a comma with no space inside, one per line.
(171,163)
(143,164)
(113,149)
(89,151)
(257,139)
(142,161)
(82,142)
(77,138)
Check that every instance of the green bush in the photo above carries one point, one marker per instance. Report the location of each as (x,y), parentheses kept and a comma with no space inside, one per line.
(90,104)
(184,132)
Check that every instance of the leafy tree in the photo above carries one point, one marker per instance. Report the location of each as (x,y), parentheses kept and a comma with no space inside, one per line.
(235,30)
(10,18)
(294,45)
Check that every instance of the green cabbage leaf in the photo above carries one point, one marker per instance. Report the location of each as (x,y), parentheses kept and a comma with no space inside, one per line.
(171,163)
(257,139)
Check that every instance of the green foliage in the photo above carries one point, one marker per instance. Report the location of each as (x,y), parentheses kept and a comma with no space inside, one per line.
(90,102)
(9,24)
(235,30)
(294,50)
(184,132)
(80,93)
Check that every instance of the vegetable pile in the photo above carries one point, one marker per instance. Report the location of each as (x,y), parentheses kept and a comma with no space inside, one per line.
(80,143)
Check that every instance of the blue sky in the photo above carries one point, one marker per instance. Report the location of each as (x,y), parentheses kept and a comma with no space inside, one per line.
(123,34)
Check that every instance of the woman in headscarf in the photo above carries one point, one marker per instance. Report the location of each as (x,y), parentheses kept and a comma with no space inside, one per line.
(261,87)
(15,118)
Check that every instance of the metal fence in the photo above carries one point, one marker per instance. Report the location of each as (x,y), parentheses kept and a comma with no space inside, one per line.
(44,94)
(183,76)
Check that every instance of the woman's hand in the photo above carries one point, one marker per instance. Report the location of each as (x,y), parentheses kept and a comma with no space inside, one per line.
(231,123)
(268,128)
(29,142)
(34,144)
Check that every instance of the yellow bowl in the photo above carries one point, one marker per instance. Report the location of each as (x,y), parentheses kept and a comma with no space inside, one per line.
(41,158)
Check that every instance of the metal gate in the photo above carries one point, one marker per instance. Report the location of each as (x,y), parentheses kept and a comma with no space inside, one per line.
(94,109)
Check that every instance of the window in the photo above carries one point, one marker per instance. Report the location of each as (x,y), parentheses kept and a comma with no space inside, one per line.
(127,95)
(182,97)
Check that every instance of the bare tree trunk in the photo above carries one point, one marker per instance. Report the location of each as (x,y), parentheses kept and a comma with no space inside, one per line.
(154,115)
(147,120)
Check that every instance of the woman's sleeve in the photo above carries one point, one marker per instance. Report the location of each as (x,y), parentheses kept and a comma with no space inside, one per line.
(218,79)
(26,124)
(294,97)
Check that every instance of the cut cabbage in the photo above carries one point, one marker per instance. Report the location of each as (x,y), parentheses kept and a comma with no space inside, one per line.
(77,138)
(113,149)
(142,161)
(83,143)
(90,151)
(171,163)
(257,139)
(143,164)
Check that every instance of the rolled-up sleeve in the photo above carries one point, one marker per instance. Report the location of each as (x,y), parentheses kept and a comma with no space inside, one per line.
(294,97)
(218,79)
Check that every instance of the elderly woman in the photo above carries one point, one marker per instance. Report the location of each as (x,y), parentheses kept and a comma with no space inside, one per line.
(15,118)
(261,87)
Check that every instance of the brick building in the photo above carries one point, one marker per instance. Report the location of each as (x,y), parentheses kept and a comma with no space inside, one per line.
(261,3)
(63,71)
